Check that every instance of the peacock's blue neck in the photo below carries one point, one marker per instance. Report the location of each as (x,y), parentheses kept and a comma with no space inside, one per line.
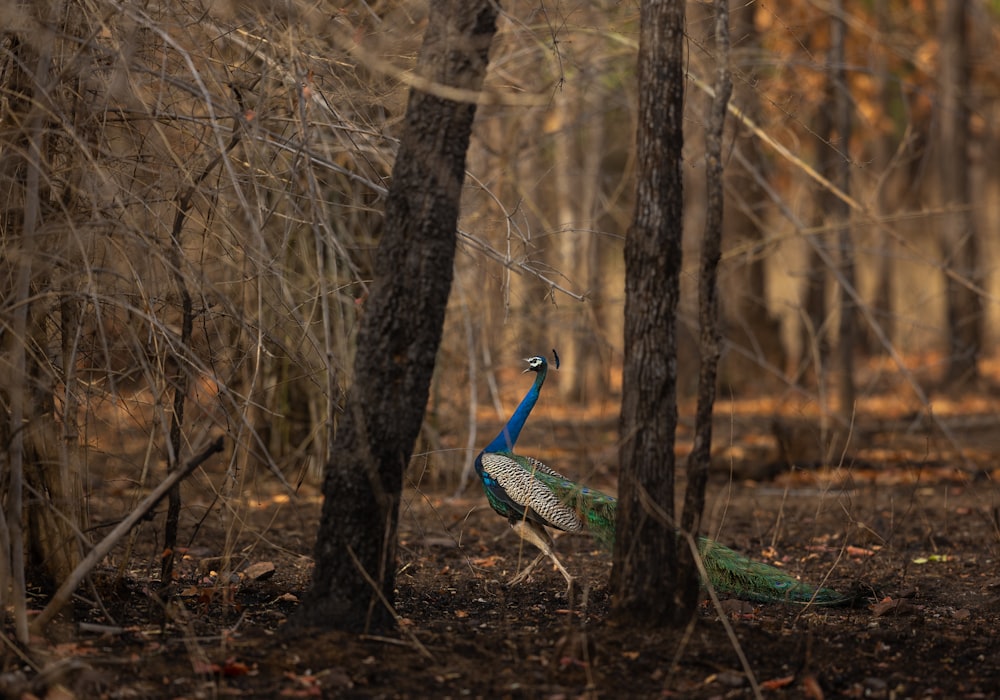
(504,441)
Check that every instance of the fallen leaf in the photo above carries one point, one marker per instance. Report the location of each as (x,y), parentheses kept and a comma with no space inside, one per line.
(489,561)
(232,668)
(898,606)
(259,571)
(776,683)
(309,686)
(883,606)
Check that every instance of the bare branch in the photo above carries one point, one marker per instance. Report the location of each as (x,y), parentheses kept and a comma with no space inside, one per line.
(102,548)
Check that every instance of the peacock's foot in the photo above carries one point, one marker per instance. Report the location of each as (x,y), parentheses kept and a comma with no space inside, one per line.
(526,571)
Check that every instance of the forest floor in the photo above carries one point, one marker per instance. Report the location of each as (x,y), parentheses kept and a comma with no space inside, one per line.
(897,520)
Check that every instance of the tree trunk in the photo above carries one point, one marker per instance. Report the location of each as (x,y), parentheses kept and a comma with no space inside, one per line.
(882,146)
(959,241)
(577,146)
(708,315)
(749,324)
(400,331)
(840,212)
(815,337)
(41,500)
(644,577)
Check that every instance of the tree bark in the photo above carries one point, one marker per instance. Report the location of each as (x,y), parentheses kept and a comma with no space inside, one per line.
(815,336)
(644,577)
(577,147)
(750,326)
(40,493)
(708,317)
(840,212)
(400,331)
(959,241)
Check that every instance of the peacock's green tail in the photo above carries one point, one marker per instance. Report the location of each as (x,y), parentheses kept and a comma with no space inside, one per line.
(593,509)
(734,574)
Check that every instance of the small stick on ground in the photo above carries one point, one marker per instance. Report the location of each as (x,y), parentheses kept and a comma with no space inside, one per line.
(102,548)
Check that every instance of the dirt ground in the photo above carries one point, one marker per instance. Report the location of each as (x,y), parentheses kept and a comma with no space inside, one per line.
(921,539)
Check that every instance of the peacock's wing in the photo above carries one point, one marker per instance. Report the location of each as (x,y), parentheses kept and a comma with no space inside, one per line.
(734,574)
(515,488)
(593,509)
(539,467)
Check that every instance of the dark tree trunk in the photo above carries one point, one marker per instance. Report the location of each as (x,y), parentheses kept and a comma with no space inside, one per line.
(400,331)
(959,242)
(815,335)
(751,329)
(644,577)
(840,213)
(708,316)
(882,145)
(40,483)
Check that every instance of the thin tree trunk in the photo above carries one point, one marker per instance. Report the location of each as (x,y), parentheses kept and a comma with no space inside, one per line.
(815,337)
(41,498)
(568,256)
(180,379)
(179,384)
(882,148)
(708,311)
(400,331)
(645,573)
(840,212)
(577,150)
(959,240)
(748,322)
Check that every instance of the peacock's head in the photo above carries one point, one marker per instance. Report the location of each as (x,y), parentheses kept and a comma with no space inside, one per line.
(536,363)
(539,363)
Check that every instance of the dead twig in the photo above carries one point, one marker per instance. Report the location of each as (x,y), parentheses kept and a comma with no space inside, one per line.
(102,548)
(414,642)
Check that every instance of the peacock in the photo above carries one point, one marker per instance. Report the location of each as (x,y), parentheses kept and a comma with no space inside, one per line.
(533,497)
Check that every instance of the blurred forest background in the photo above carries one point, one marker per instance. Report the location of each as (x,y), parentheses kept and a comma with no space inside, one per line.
(191,194)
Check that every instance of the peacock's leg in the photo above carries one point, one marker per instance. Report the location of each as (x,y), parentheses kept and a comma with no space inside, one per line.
(537,535)
(526,571)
